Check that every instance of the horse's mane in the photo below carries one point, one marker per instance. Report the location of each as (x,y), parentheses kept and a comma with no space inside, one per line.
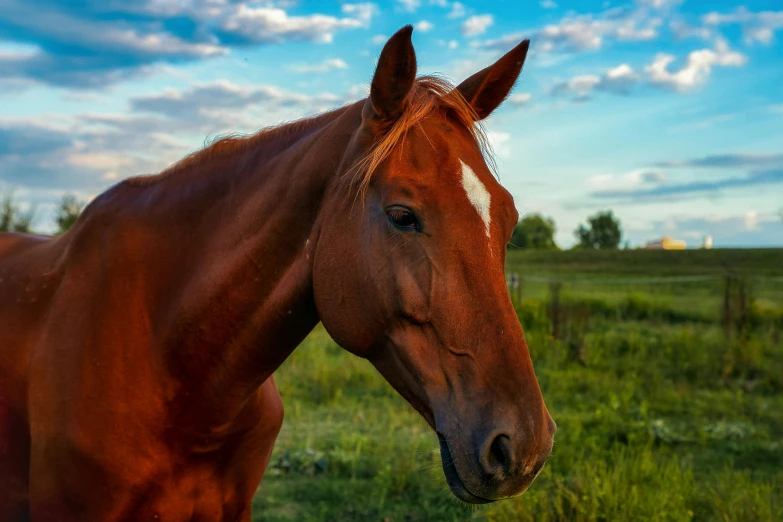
(428,95)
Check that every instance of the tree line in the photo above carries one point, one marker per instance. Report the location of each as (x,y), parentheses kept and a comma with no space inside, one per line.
(15,219)
(536,232)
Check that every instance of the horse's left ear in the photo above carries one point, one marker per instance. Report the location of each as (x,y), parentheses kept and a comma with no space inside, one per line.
(487,89)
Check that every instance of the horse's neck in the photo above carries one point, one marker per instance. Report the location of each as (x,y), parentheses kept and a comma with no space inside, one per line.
(242,231)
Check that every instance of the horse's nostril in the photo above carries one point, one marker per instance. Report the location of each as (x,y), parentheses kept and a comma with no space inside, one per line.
(499,456)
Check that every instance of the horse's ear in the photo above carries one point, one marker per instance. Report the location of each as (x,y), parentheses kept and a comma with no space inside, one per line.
(487,89)
(393,77)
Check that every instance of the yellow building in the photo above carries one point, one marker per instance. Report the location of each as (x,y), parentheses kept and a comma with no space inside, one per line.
(667,243)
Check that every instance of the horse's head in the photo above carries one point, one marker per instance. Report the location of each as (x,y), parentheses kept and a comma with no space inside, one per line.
(410,274)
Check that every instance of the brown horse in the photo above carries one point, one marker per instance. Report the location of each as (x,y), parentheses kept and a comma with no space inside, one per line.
(137,350)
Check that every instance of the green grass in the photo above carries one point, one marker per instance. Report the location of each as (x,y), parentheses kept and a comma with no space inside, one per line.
(659,417)
(664,423)
(647,263)
(621,278)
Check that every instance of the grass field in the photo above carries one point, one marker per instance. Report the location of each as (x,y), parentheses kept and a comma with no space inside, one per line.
(657,419)
(614,263)
(691,283)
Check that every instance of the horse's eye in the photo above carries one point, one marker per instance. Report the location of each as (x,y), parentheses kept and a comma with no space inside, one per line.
(402,218)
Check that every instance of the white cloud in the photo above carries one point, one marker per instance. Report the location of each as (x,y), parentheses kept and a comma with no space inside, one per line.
(72,157)
(378,39)
(268,24)
(751,219)
(362,11)
(629,31)
(632,179)
(61,27)
(464,68)
(83,48)
(697,68)
(659,4)
(682,30)
(519,99)
(453,44)
(357,91)
(99,160)
(325,66)
(11,53)
(579,33)
(475,25)
(576,34)
(457,11)
(221,106)
(499,141)
(600,181)
(424,26)
(409,5)
(584,32)
(547,4)
(618,80)
(756,26)
(579,86)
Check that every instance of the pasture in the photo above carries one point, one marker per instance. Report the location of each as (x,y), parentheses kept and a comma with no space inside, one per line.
(661,416)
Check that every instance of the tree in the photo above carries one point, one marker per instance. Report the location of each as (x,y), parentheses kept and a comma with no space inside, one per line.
(12,218)
(535,232)
(67,212)
(604,232)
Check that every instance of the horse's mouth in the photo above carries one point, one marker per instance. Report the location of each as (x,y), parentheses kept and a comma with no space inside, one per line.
(455,483)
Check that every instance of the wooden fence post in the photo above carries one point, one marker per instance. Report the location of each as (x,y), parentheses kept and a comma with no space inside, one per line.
(513,287)
(743,317)
(519,289)
(554,307)
(726,318)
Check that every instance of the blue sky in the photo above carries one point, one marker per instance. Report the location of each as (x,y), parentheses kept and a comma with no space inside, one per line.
(668,112)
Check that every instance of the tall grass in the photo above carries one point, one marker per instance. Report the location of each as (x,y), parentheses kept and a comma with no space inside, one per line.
(657,421)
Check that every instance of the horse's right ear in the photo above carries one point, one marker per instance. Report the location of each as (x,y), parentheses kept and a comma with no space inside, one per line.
(393,77)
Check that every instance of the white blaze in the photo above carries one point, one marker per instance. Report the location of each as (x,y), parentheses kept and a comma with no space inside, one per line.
(477,194)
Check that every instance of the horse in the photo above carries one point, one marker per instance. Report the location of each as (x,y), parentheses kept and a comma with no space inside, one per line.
(137,350)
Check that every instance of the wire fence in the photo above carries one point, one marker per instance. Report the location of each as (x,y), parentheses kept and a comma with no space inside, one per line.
(736,302)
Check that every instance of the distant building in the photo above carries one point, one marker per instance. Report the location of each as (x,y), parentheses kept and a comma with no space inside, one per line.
(667,243)
(707,242)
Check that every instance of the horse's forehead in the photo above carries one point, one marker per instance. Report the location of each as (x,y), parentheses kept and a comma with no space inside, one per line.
(446,172)
(440,147)
(459,163)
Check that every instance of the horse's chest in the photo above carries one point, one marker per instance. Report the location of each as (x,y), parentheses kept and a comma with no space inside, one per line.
(214,487)
(123,475)
(194,495)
